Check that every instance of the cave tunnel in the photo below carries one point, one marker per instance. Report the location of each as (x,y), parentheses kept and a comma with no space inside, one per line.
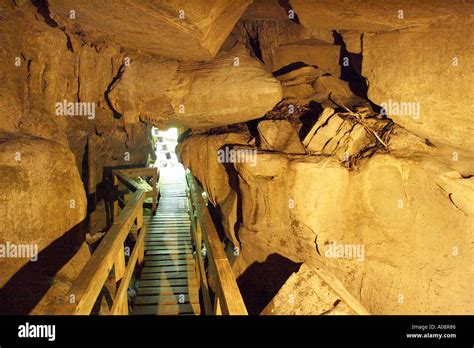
(238,157)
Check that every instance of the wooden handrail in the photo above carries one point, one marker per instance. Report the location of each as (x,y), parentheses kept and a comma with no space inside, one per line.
(86,288)
(228,299)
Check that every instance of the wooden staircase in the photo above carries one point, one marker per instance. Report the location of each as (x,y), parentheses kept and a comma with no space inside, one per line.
(168,283)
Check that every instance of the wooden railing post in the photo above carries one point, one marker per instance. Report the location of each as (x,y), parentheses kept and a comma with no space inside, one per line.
(228,299)
(110,255)
(155,193)
(116,206)
(119,265)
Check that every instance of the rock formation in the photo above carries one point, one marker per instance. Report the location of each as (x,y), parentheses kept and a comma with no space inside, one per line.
(333,141)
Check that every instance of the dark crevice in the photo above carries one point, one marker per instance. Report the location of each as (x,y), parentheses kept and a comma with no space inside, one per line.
(255,43)
(290,67)
(352,72)
(287,6)
(309,117)
(117,77)
(43,9)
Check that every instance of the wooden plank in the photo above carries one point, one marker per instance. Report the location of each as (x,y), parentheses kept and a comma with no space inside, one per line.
(201,271)
(165,299)
(167,282)
(156,246)
(168,290)
(171,243)
(169,263)
(116,203)
(167,269)
(231,298)
(127,181)
(90,281)
(165,252)
(173,275)
(166,309)
(119,265)
(121,297)
(168,257)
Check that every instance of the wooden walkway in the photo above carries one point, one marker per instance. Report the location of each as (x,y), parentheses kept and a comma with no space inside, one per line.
(168,284)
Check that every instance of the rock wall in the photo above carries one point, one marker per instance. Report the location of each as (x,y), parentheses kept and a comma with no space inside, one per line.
(411,217)
(43,152)
(343,181)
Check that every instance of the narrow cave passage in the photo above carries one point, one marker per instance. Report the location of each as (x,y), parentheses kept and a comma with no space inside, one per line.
(236,157)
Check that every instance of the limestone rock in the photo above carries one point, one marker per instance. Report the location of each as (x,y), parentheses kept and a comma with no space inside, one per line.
(311,52)
(231,88)
(395,202)
(200,153)
(421,92)
(334,135)
(42,201)
(374,15)
(279,135)
(175,29)
(330,87)
(306,293)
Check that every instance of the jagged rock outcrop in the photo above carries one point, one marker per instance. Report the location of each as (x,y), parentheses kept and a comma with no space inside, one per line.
(193,30)
(413,86)
(309,84)
(307,292)
(310,52)
(203,153)
(345,135)
(196,94)
(279,135)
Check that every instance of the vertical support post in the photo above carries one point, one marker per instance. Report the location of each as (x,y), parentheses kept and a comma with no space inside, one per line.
(115,208)
(139,221)
(119,266)
(155,193)
(217,305)
(91,184)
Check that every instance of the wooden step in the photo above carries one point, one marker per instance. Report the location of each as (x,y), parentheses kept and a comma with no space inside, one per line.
(167,269)
(182,262)
(166,252)
(168,290)
(166,299)
(171,309)
(158,246)
(169,257)
(170,275)
(166,283)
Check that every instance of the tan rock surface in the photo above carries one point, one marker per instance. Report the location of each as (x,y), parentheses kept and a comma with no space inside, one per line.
(425,78)
(42,200)
(175,29)
(196,94)
(374,15)
(397,241)
(311,52)
(280,135)
(200,153)
(306,293)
